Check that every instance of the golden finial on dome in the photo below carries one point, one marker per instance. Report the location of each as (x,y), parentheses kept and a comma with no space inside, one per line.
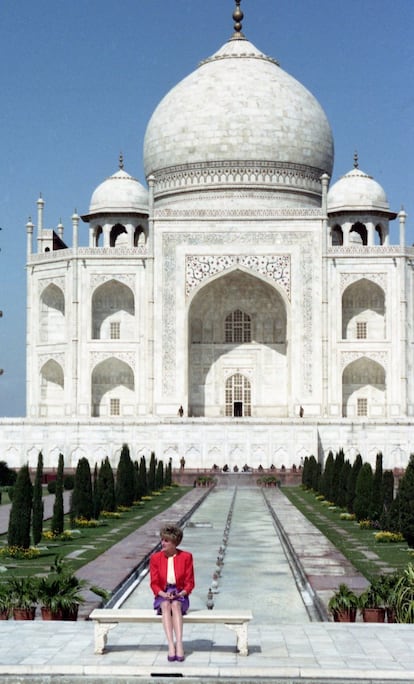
(238,17)
(121,160)
(356,161)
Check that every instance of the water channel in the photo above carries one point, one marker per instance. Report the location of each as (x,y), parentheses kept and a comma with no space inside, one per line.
(234,535)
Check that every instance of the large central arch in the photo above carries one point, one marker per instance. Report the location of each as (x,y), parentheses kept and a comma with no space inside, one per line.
(237,324)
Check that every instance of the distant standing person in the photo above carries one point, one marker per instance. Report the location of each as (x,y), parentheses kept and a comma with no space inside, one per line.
(182,462)
(172,581)
(181,411)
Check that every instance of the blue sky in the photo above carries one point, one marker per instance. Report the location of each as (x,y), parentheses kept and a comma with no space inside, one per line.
(80,79)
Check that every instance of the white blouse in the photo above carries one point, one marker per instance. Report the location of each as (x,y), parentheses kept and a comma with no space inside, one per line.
(170,570)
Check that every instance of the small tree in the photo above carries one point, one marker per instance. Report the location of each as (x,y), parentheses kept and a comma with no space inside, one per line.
(327,477)
(336,474)
(142,487)
(37,520)
(405,499)
(377,503)
(159,476)
(388,491)
(363,493)
(96,494)
(353,476)
(106,487)
(7,475)
(82,502)
(58,518)
(21,510)
(168,473)
(125,476)
(151,473)
(342,495)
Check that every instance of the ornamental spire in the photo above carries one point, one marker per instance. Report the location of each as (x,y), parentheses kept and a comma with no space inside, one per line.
(238,18)
(356,160)
(121,160)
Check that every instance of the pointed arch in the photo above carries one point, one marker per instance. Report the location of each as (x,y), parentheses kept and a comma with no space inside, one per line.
(337,236)
(237,320)
(363,389)
(113,312)
(363,311)
(52,314)
(358,234)
(118,236)
(112,388)
(52,385)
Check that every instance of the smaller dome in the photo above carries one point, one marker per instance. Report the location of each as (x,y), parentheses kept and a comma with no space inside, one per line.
(120,193)
(357,191)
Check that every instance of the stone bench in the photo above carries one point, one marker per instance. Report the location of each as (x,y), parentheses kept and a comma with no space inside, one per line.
(108,618)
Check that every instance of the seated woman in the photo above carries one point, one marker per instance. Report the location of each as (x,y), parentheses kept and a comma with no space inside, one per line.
(172,581)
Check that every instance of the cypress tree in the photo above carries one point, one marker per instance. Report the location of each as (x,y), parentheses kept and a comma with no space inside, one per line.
(21,510)
(58,519)
(377,503)
(388,493)
(82,502)
(168,473)
(343,484)
(336,473)
(142,479)
(151,473)
(37,520)
(125,491)
(106,487)
(406,503)
(363,492)
(96,496)
(327,477)
(353,476)
(159,476)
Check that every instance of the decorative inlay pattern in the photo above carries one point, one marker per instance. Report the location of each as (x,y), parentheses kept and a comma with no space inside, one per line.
(45,282)
(273,266)
(59,357)
(210,174)
(383,250)
(225,212)
(349,357)
(225,240)
(125,278)
(98,357)
(377,278)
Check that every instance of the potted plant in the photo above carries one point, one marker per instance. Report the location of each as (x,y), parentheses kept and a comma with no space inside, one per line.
(23,597)
(60,592)
(404,596)
(343,604)
(372,603)
(5,601)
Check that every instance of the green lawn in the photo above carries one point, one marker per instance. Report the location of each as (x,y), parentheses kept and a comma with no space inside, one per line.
(89,543)
(358,545)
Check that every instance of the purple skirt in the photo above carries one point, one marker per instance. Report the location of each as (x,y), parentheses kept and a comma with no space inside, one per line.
(183,600)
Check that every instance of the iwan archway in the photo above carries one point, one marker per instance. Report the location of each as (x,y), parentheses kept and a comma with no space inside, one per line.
(238,364)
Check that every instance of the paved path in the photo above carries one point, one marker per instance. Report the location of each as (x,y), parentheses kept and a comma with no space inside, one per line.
(310,652)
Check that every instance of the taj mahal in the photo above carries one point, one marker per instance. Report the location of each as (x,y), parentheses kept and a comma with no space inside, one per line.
(234,307)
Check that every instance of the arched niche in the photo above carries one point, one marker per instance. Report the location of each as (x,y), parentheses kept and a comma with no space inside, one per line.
(337,236)
(112,388)
(358,235)
(52,388)
(113,312)
(363,311)
(52,314)
(363,389)
(237,321)
(118,237)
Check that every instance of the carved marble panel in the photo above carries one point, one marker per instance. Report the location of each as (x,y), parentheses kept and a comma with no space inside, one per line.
(199,267)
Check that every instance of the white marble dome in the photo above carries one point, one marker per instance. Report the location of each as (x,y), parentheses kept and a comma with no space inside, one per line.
(239,105)
(357,190)
(120,193)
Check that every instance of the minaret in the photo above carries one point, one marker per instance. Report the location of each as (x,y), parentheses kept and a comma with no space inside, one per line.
(40,207)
